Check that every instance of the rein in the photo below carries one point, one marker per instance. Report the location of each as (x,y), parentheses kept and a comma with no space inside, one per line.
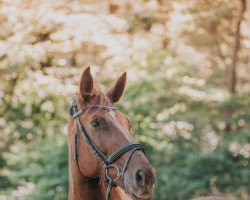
(107,161)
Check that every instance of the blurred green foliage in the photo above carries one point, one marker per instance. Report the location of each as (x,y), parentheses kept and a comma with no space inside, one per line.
(177,97)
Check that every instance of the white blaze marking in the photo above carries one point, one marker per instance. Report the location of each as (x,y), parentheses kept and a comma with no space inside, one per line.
(112,113)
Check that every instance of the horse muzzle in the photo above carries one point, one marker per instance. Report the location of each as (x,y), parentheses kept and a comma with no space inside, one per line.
(142,184)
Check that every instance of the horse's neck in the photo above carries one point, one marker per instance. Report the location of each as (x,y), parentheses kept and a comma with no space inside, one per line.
(82,188)
(116,193)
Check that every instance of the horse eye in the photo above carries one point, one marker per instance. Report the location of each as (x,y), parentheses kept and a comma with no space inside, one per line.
(95,123)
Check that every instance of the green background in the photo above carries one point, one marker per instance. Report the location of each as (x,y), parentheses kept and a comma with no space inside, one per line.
(187,110)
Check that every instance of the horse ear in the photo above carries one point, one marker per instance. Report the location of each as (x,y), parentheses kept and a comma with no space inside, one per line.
(116,92)
(86,84)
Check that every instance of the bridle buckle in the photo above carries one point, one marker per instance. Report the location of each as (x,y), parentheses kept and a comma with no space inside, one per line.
(118,174)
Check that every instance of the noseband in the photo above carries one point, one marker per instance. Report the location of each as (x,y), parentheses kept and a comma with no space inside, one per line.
(107,161)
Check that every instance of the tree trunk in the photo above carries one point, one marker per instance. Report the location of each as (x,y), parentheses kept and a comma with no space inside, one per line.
(248,16)
(232,81)
(248,30)
(232,70)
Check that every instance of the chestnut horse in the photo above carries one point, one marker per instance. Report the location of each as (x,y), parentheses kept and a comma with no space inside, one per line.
(101,147)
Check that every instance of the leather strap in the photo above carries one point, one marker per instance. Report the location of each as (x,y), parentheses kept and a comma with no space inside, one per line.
(77,114)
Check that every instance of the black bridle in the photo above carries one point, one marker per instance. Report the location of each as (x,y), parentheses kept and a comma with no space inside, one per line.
(107,161)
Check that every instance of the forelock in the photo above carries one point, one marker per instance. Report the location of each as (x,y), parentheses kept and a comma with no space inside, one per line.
(97,97)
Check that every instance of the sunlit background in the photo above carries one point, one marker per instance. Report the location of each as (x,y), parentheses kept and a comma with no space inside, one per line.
(188,91)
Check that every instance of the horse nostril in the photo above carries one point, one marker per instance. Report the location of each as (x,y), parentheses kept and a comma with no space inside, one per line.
(140,178)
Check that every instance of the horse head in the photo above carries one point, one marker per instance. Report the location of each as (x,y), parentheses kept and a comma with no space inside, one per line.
(109,131)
